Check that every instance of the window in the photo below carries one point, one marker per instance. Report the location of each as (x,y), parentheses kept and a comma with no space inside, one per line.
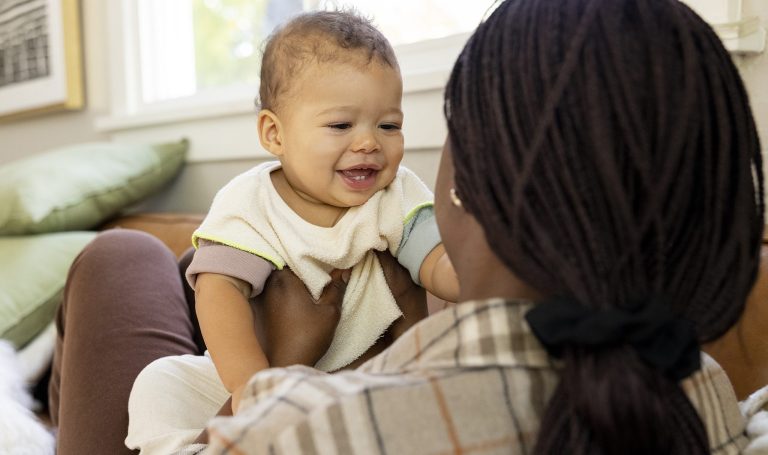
(410,21)
(211,48)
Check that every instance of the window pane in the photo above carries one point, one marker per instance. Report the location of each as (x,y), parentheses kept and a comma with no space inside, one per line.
(192,46)
(166,49)
(228,36)
(408,21)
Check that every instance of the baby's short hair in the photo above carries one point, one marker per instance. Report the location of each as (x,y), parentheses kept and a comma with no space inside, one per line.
(320,37)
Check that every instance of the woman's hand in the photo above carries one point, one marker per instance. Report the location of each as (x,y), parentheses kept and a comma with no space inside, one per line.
(410,297)
(295,328)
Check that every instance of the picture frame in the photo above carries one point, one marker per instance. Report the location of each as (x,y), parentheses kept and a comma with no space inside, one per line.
(40,57)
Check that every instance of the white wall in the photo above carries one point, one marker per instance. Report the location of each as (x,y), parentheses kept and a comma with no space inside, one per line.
(193,190)
(33,135)
(754,72)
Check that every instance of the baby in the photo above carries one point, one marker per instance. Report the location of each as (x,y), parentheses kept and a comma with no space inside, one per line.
(331,113)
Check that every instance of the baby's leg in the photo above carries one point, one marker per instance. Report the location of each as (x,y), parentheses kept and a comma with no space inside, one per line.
(171,401)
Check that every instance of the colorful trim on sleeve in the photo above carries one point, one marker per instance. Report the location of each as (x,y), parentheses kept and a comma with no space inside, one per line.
(279,264)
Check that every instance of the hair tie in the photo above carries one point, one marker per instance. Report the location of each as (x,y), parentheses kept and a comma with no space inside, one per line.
(663,340)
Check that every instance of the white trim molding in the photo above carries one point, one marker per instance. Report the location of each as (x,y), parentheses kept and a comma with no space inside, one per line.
(740,34)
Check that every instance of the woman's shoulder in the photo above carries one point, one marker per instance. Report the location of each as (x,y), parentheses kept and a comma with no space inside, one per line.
(712,395)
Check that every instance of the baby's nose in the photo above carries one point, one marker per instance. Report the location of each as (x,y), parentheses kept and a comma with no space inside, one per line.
(366,143)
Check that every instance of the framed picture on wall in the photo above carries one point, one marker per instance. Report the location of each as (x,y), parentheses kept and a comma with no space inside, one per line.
(40,57)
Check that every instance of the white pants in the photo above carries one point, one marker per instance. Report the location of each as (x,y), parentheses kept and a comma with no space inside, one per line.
(171,401)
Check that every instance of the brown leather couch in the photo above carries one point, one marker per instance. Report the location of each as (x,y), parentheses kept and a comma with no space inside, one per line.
(743,350)
(174,229)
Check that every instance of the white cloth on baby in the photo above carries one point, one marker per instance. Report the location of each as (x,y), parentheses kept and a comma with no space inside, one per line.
(264,225)
(171,401)
(755,410)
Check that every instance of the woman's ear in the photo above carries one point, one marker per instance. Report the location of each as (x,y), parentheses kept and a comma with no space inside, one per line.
(270,132)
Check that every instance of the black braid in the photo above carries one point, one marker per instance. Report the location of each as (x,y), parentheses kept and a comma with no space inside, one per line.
(608,149)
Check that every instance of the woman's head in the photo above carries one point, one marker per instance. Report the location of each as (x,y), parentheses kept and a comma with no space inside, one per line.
(607,149)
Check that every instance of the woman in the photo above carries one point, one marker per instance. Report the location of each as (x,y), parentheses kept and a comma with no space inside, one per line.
(601,198)
(626,180)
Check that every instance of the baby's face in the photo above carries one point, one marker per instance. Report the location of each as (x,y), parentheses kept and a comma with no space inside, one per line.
(341,131)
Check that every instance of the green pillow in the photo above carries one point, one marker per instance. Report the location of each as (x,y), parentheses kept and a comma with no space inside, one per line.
(78,187)
(33,270)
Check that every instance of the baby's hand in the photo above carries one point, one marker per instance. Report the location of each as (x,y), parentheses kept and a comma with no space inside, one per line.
(438,276)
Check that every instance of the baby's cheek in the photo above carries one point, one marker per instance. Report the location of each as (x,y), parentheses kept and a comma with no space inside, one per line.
(389,176)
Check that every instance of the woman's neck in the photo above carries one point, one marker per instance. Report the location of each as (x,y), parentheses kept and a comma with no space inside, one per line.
(482,275)
(489,283)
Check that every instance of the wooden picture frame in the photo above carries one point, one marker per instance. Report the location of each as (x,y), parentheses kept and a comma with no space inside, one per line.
(40,57)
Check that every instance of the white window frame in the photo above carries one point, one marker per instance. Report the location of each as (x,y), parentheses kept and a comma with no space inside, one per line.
(739,33)
(425,66)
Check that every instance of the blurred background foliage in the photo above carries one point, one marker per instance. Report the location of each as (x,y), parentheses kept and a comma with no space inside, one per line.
(228,37)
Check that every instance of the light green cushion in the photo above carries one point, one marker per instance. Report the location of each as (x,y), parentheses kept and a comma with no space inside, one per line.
(33,270)
(77,187)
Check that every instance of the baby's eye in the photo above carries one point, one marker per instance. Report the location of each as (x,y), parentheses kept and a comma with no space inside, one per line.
(390,126)
(340,126)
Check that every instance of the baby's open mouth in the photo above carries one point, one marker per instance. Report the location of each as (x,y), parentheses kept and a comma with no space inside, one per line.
(358,174)
(359,178)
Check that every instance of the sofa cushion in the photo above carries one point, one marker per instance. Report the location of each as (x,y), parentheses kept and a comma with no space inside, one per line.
(33,270)
(78,187)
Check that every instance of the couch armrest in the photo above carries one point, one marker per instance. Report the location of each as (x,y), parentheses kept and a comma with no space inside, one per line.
(173,229)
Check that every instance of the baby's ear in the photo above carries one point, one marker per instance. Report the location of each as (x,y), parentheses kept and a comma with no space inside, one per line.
(270,132)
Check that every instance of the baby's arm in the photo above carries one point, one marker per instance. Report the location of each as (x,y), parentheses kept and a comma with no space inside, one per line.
(227,324)
(437,275)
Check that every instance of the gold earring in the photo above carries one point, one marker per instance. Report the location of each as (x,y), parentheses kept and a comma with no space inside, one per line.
(455,198)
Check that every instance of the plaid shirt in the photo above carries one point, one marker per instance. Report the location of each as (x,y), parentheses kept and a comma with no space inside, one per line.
(469,379)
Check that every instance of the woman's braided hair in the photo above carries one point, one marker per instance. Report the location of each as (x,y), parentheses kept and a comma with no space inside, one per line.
(608,150)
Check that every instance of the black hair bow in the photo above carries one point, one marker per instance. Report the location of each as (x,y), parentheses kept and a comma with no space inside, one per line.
(660,338)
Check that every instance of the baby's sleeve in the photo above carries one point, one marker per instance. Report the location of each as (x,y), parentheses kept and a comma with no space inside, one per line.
(211,257)
(420,237)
